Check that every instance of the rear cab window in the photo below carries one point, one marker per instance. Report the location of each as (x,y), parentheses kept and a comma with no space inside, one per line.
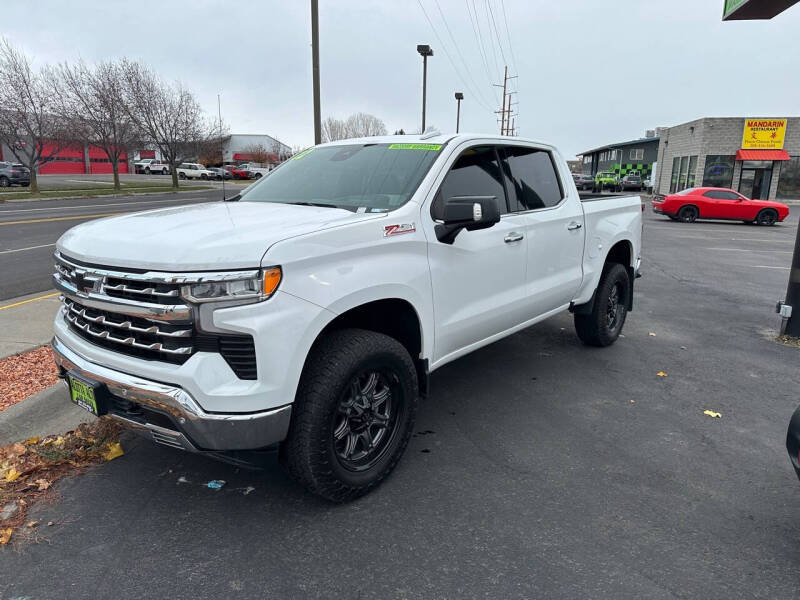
(532,178)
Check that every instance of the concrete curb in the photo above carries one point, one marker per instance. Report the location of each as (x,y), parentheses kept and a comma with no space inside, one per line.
(48,412)
(184,191)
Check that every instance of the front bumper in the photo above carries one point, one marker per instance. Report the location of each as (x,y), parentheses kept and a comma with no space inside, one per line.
(171,416)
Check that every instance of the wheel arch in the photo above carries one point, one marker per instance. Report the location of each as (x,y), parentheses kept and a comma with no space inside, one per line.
(621,252)
(394,317)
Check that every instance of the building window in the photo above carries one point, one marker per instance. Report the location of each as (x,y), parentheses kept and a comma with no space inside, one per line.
(718,171)
(637,154)
(673,182)
(692,171)
(789,180)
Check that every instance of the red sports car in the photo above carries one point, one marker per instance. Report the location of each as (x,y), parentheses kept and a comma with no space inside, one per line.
(236,172)
(719,203)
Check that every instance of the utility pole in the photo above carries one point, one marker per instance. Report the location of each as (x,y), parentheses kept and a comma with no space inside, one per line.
(503,114)
(315,69)
(459,98)
(505,111)
(424,51)
(221,149)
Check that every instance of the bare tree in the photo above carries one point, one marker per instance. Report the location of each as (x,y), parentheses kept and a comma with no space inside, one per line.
(258,153)
(29,125)
(333,129)
(169,115)
(364,125)
(93,100)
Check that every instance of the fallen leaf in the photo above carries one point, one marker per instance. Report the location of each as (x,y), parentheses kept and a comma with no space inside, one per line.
(652,334)
(12,475)
(114,451)
(43,484)
(59,441)
(32,524)
(712,414)
(18,449)
(661,374)
(51,523)
(5,535)
(31,441)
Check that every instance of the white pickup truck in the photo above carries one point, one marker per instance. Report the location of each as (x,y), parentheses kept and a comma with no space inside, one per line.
(256,172)
(307,313)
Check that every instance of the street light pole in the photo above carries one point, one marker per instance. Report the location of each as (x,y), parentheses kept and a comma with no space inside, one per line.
(459,98)
(315,69)
(425,51)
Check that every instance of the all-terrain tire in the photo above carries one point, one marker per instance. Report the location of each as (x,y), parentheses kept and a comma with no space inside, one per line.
(597,328)
(309,453)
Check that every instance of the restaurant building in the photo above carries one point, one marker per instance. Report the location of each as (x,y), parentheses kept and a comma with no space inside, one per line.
(757,156)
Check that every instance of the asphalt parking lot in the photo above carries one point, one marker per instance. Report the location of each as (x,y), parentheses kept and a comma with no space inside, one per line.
(540,468)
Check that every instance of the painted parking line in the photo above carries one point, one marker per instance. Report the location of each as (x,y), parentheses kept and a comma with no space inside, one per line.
(749,250)
(768,267)
(73,218)
(54,294)
(28,248)
(725,239)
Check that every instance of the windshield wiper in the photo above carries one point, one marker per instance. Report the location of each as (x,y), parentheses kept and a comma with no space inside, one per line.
(322,204)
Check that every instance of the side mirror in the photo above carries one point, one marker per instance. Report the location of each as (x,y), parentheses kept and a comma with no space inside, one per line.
(466,212)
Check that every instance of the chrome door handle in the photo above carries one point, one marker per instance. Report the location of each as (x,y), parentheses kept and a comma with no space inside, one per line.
(574,225)
(513,237)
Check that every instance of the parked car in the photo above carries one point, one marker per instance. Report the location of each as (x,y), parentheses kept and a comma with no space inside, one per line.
(194,171)
(719,203)
(236,172)
(255,171)
(583,181)
(605,180)
(309,310)
(793,441)
(14,174)
(220,173)
(648,185)
(630,182)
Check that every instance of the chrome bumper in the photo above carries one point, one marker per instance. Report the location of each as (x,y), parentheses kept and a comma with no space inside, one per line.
(195,430)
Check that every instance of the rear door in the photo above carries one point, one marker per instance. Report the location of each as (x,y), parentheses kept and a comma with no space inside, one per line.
(554,226)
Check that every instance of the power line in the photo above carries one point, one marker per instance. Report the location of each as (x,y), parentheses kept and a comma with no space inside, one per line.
(508,34)
(479,41)
(489,27)
(452,62)
(497,35)
(458,50)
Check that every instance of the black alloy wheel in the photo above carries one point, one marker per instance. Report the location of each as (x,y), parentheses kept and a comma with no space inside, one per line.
(4,182)
(767,217)
(688,214)
(366,419)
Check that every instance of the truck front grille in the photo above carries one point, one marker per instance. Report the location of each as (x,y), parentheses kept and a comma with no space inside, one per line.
(131,335)
(142,315)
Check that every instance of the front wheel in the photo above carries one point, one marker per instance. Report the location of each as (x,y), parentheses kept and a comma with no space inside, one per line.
(181,175)
(602,326)
(767,217)
(4,182)
(147,171)
(353,414)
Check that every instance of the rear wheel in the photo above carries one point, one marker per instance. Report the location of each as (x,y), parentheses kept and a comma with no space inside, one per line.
(147,171)
(353,414)
(767,217)
(258,176)
(4,181)
(602,326)
(688,214)
(181,175)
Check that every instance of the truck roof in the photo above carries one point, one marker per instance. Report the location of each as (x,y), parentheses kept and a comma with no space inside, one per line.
(434,138)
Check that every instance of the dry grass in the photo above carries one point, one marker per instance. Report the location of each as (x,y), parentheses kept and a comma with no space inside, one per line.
(788,340)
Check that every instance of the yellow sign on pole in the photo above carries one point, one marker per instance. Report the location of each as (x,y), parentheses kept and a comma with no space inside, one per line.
(764,134)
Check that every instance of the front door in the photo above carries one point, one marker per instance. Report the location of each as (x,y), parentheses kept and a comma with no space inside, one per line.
(479,281)
(756,179)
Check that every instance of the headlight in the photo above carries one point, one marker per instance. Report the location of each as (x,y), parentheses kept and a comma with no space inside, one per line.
(230,288)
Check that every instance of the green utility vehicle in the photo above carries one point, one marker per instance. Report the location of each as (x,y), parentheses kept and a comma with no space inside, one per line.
(605,180)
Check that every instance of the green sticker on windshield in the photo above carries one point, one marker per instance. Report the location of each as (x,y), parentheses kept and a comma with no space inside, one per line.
(415,147)
(303,153)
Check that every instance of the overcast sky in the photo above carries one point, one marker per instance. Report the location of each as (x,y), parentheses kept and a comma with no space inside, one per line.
(589,72)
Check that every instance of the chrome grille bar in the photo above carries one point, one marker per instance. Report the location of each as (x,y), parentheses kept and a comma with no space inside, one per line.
(80,311)
(149,291)
(128,341)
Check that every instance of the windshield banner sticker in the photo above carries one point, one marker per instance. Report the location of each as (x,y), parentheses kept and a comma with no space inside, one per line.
(415,147)
(302,154)
(399,229)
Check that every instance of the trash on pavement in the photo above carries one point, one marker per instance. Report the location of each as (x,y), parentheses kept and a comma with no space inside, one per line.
(712,414)
(661,374)
(652,334)
(215,484)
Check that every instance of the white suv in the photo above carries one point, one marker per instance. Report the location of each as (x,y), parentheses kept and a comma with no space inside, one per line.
(194,171)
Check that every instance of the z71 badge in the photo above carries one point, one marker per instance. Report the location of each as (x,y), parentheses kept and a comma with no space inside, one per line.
(398,229)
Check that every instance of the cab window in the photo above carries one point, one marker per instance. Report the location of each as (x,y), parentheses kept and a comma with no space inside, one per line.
(476,172)
(532,179)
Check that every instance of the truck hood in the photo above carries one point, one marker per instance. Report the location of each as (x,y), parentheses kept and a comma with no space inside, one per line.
(197,237)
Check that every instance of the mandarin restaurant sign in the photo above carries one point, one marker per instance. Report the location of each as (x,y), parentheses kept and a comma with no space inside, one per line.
(764,134)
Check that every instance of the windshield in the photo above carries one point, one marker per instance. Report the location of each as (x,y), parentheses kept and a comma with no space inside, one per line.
(357,177)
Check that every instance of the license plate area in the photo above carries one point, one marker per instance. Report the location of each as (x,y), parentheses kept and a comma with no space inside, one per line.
(88,394)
